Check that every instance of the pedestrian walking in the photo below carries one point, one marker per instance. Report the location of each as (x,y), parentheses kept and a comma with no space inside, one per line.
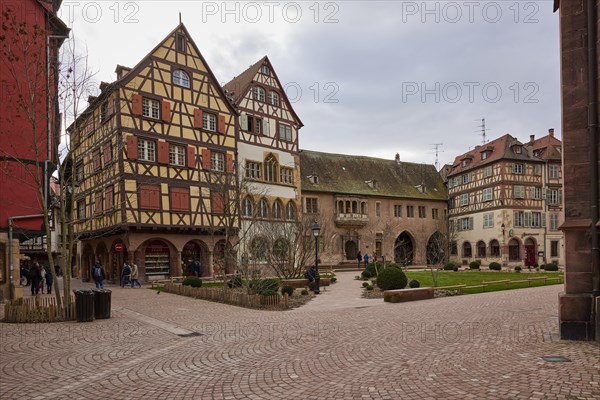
(98,275)
(359,258)
(134,276)
(48,281)
(125,274)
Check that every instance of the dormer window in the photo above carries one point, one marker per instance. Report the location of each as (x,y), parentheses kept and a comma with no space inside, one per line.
(314,179)
(372,184)
(264,70)
(180,43)
(517,149)
(484,155)
(464,163)
(181,78)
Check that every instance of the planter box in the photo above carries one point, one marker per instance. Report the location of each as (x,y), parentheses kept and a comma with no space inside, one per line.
(300,283)
(401,295)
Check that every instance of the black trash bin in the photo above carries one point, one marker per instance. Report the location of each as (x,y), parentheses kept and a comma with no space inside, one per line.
(102,303)
(84,305)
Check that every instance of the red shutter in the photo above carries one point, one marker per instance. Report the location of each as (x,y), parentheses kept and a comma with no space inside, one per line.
(191,156)
(155,197)
(184,199)
(132,147)
(197,118)
(163,152)
(166,111)
(136,104)
(221,124)
(175,200)
(206,163)
(230,165)
(149,197)
(217,203)
(180,199)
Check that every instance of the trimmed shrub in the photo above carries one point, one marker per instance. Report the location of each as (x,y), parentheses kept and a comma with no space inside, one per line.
(518,269)
(414,283)
(536,265)
(235,282)
(366,274)
(450,267)
(495,266)
(192,281)
(392,278)
(287,289)
(365,284)
(551,267)
(474,265)
(304,292)
(543,266)
(369,287)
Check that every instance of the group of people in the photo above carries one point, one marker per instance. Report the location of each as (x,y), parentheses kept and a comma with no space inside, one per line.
(129,275)
(37,276)
(365,259)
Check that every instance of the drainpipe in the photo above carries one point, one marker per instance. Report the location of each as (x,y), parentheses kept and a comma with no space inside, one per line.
(592,78)
(10,250)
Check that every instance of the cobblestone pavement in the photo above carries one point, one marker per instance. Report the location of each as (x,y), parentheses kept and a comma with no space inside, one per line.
(338,346)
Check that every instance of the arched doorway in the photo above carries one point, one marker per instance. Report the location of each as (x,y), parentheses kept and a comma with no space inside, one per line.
(435,249)
(192,251)
(467,250)
(404,249)
(530,252)
(157,261)
(514,250)
(87,261)
(350,249)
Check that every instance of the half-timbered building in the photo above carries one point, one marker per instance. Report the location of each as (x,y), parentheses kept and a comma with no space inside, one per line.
(385,208)
(148,152)
(498,202)
(268,158)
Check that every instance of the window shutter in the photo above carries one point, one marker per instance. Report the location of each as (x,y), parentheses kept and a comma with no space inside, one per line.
(155,197)
(132,148)
(206,159)
(184,199)
(175,200)
(560,200)
(217,203)
(470,222)
(244,122)
(265,127)
(191,157)
(111,105)
(166,111)
(221,124)
(543,220)
(197,118)
(163,152)
(230,164)
(136,104)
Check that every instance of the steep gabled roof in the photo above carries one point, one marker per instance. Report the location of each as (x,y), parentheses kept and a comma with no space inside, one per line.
(498,149)
(368,176)
(241,84)
(546,148)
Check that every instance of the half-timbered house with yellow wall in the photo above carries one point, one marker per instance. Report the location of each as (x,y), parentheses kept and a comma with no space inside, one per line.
(148,152)
(268,155)
(498,198)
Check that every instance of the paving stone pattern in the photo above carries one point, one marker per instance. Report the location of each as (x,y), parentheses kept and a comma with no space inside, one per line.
(338,346)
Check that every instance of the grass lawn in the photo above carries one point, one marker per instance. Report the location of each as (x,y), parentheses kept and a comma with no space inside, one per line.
(471,278)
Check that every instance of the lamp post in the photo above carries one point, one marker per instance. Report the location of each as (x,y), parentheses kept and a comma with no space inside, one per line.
(316,230)
(503,243)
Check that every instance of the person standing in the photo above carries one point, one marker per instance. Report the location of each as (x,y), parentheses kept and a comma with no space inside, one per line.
(134,276)
(366,257)
(98,275)
(359,258)
(35,278)
(198,265)
(125,274)
(48,281)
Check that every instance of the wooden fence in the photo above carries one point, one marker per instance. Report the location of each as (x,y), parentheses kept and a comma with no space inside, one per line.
(230,296)
(38,309)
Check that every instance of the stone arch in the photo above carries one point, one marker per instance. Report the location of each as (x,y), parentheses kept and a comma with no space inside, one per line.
(158,257)
(404,249)
(350,249)
(102,255)
(481,249)
(514,249)
(435,249)
(467,250)
(530,254)
(192,250)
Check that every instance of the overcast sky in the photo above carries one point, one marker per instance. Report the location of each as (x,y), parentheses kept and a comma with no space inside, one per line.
(366,77)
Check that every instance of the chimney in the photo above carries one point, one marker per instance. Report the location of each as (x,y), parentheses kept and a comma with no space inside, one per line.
(531,138)
(551,132)
(398,158)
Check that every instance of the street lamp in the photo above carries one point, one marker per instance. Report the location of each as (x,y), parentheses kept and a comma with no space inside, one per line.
(316,230)
(503,244)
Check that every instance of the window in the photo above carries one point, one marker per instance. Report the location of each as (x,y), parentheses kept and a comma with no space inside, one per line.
(488,171)
(277,210)
(467,253)
(397,211)
(536,193)
(146,150)
(181,78)
(263,209)
(518,219)
(494,248)
(488,220)
(519,191)
(536,220)
(259,93)
(107,152)
(518,169)
(378,208)
(79,173)
(410,211)
(274,98)
(484,155)
(180,199)
(312,206)
(537,169)
(488,194)
(466,178)
(180,44)
(217,161)
(553,171)
(176,155)
(287,175)
(464,199)
(554,248)
(247,207)
(290,211)
(149,197)
(264,70)
(98,203)
(209,122)
(285,132)
(97,160)
(434,213)
(465,224)
(514,250)
(553,221)
(554,197)
(259,249)
(104,112)
(150,108)
(253,170)
(464,163)
(109,197)
(81,209)
(517,149)
(481,249)
(271,168)
(258,126)
(422,212)
(453,248)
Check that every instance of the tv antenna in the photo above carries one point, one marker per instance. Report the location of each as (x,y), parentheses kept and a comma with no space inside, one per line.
(482,130)
(436,146)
